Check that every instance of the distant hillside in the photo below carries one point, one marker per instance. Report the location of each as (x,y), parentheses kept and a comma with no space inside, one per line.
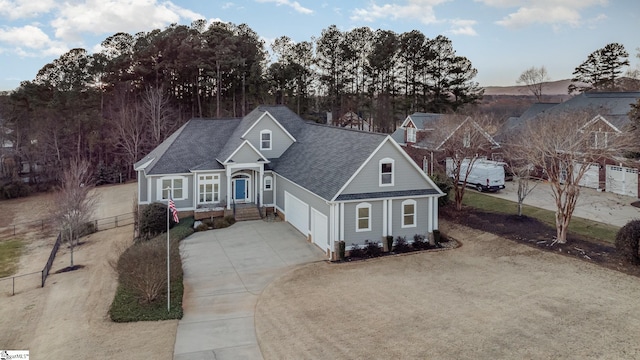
(549,88)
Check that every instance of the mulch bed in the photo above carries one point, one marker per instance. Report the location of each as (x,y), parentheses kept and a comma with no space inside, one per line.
(532,232)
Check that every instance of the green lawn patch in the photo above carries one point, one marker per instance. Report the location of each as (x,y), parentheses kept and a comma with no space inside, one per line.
(127,305)
(10,252)
(589,229)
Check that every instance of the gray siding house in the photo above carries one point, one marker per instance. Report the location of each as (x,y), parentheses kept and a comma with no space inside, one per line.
(329,183)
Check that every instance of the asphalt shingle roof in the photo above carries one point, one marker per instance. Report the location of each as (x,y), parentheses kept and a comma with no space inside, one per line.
(324,157)
(177,154)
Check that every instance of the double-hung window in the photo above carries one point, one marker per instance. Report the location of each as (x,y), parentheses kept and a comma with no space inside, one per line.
(363,217)
(408,213)
(265,140)
(175,186)
(411,134)
(386,172)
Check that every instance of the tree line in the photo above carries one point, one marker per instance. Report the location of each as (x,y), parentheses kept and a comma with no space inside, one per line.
(113,106)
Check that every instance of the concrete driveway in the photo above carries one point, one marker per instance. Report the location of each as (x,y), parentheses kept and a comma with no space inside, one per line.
(225,272)
(594,205)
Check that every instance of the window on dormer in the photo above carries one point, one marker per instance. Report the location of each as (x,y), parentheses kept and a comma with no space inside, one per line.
(265,140)
(411,134)
(466,138)
(599,139)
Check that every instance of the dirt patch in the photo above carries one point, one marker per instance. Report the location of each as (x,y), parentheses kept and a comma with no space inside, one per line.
(532,232)
(489,299)
(68,318)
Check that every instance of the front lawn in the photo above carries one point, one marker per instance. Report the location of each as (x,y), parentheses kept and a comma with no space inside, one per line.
(588,229)
(10,252)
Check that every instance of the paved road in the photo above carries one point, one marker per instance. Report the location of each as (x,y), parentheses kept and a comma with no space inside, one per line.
(604,207)
(225,272)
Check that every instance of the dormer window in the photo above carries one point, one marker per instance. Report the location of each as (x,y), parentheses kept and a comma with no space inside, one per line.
(411,135)
(466,138)
(265,140)
(599,140)
(386,172)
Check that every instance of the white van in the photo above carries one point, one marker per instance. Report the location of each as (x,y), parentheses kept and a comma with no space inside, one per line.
(485,175)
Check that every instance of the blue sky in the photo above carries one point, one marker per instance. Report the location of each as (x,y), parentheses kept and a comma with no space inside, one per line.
(502,38)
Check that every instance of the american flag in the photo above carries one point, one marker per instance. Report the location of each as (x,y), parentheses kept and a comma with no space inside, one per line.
(174,211)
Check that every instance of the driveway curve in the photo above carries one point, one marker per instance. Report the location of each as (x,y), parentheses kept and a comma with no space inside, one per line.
(225,271)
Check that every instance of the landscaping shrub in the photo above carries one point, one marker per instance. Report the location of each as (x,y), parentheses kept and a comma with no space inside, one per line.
(142,276)
(230,219)
(14,190)
(356,251)
(220,223)
(202,227)
(401,245)
(436,237)
(153,220)
(371,249)
(627,242)
(418,242)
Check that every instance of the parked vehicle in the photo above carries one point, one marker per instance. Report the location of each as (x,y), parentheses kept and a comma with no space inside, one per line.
(485,175)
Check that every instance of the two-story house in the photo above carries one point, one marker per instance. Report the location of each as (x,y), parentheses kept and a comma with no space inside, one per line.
(329,183)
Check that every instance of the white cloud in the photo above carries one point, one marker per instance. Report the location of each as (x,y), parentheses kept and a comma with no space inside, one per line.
(294,4)
(421,10)
(463,27)
(19,9)
(30,41)
(100,17)
(552,12)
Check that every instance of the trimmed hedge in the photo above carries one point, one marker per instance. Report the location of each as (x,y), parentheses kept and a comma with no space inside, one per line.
(628,242)
(126,305)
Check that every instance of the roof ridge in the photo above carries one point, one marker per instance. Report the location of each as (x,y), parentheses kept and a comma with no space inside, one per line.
(345,129)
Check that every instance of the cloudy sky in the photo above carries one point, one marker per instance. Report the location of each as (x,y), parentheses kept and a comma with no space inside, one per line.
(500,37)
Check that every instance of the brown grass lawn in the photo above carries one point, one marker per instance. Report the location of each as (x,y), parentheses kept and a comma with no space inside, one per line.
(489,299)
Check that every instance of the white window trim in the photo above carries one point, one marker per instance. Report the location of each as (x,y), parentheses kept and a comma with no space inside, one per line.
(466,138)
(393,169)
(411,134)
(213,181)
(270,180)
(415,213)
(363,206)
(173,178)
(270,139)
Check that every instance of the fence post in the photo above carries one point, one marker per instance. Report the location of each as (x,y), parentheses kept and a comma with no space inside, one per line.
(13,286)
(14,230)
(95,223)
(116,220)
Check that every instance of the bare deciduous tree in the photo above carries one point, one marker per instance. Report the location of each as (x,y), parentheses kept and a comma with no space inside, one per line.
(563,147)
(74,204)
(128,127)
(158,112)
(465,141)
(533,78)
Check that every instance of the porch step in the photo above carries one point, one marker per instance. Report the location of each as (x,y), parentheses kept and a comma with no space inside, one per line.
(247,213)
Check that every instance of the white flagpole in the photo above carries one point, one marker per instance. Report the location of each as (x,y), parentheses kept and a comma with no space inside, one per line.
(168,258)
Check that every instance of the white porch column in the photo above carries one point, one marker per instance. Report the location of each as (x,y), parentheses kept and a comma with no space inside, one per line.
(261,184)
(435,214)
(390,208)
(228,173)
(384,218)
(430,216)
(341,236)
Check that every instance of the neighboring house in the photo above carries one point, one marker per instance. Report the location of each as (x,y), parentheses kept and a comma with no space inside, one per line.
(351,120)
(609,116)
(424,136)
(330,183)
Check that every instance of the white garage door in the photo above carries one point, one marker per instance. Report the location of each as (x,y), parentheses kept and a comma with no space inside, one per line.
(622,180)
(297,213)
(591,177)
(319,229)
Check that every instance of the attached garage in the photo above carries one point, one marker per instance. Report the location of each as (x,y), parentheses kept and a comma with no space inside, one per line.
(296,213)
(622,180)
(591,177)
(319,229)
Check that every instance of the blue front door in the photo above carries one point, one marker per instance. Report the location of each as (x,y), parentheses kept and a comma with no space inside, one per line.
(241,189)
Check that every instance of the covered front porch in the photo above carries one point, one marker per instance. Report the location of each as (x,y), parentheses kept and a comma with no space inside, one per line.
(248,185)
